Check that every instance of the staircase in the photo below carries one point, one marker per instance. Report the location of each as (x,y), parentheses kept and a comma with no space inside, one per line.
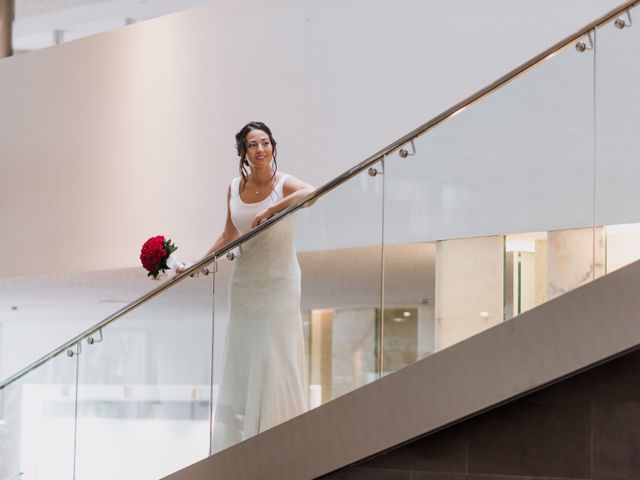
(485,255)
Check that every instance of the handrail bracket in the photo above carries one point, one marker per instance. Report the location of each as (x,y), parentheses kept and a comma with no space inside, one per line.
(621,23)
(404,153)
(581,46)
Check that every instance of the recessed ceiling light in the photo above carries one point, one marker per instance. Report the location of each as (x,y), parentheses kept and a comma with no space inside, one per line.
(407,314)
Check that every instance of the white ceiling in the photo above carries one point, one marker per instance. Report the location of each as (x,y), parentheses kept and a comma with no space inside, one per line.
(44,23)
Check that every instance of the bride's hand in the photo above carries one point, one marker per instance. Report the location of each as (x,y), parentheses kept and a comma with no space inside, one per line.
(261,217)
(181,268)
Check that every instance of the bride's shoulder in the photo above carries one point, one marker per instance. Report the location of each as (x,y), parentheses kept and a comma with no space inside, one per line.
(234,185)
(282,176)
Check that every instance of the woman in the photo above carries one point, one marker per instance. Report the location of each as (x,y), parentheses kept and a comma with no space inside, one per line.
(263,374)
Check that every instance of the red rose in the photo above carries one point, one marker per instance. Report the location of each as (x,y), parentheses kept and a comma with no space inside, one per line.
(154,253)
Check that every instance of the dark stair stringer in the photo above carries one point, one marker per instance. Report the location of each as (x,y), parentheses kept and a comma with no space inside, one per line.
(583,427)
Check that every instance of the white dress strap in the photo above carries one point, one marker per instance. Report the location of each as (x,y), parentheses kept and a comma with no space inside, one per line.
(279,188)
(235,187)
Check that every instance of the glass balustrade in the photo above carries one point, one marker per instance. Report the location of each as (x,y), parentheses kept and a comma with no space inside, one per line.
(339,242)
(37,422)
(144,387)
(59,307)
(617,93)
(496,199)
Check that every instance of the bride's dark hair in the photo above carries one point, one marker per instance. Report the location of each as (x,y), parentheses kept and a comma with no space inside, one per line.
(241,147)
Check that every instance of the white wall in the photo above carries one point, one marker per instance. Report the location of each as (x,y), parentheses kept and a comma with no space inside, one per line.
(110,139)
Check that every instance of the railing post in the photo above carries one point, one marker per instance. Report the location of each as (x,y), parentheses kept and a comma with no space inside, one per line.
(6,27)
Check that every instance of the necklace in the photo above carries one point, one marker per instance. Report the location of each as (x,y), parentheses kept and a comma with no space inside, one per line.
(258,187)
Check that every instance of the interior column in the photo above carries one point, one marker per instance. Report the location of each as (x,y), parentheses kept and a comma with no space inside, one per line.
(6,27)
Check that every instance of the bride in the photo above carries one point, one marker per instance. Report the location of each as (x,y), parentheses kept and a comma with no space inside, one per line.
(263,374)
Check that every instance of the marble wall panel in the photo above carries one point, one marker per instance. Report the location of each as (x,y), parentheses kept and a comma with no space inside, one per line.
(540,271)
(469,287)
(353,356)
(320,357)
(575,257)
(426,328)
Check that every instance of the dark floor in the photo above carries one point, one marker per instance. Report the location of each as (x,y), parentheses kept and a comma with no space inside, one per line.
(585,427)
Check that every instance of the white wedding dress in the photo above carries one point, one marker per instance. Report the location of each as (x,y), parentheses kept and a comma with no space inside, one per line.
(263,375)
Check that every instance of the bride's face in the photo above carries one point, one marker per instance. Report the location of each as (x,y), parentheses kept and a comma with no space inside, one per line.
(259,148)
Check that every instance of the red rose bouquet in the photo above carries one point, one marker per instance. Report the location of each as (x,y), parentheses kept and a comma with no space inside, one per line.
(156,255)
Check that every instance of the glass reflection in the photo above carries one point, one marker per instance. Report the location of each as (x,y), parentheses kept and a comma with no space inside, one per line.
(37,422)
(527,269)
(144,388)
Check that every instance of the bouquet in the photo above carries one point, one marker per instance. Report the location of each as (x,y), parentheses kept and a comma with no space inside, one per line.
(156,255)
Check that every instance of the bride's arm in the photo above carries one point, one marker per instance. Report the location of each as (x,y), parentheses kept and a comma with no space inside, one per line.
(294,190)
(230,232)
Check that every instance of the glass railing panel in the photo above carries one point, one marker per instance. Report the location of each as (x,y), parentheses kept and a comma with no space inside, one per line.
(517,162)
(37,422)
(408,303)
(339,243)
(144,387)
(617,206)
(59,306)
(301,308)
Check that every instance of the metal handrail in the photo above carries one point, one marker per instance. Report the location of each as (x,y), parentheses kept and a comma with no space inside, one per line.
(372,160)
